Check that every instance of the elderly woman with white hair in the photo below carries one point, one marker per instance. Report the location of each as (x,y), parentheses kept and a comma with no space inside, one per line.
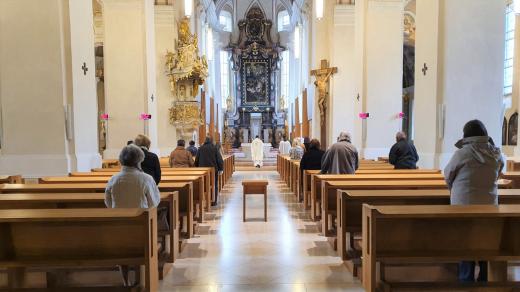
(341,158)
(131,188)
(297,151)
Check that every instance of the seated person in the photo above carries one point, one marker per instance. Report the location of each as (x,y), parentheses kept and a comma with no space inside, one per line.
(131,188)
(297,150)
(341,158)
(472,175)
(180,157)
(403,154)
(151,164)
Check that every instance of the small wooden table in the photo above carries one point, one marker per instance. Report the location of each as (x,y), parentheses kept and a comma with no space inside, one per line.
(255,187)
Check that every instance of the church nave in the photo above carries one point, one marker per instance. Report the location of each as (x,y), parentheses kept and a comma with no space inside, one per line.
(285,254)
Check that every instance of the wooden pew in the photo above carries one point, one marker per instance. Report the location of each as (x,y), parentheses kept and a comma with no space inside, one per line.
(92,200)
(349,209)
(11,179)
(316,182)
(185,190)
(78,238)
(411,235)
(308,174)
(330,190)
(177,170)
(199,196)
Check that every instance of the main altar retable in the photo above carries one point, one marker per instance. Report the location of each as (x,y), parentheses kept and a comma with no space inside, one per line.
(255,62)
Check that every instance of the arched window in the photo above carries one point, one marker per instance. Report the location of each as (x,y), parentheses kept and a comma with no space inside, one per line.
(284,20)
(510,49)
(225,20)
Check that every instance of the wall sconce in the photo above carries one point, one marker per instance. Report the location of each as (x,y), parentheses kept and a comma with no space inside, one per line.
(188,8)
(319,9)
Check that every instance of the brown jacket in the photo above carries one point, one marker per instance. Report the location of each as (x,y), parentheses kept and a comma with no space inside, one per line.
(180,157)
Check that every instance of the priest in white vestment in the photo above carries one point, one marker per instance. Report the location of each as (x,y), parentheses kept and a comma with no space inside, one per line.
(257,152)
(285,146)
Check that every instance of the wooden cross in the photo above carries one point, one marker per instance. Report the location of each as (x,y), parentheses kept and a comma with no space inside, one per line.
(84,68)
(322,86)
(424,69)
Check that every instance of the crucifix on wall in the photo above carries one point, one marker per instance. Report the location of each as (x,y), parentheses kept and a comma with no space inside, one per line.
(323,76)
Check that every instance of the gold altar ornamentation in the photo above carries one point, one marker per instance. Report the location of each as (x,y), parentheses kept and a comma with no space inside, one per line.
(185,113)
(409,27)
(186,71)
(186,66)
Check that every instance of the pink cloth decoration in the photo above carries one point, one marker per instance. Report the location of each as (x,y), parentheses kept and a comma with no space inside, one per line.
(145,117)
(401,115)
(104,117)
(364,116)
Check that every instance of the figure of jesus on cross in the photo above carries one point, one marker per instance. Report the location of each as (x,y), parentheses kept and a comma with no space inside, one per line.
(322,85)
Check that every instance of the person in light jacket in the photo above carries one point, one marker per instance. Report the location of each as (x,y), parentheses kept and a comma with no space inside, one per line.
(297,151)
(131,188)
(472,176)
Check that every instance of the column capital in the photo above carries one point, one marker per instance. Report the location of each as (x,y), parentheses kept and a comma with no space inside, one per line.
(345,14)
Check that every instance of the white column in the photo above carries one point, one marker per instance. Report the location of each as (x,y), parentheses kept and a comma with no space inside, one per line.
(84,101)
(384,73)
(40,73)
(129,72)
(471,56)
(426,136)
(165,36)
(344,105)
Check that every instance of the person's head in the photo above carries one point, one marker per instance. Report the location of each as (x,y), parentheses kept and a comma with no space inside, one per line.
(181,143)
(400,136)
(192,143)
(474,128)
(208,140)
(284,138)
(142,141)
(344,137)
(256,137)
(297,142)
(314,144)
(131,156)
(129,142)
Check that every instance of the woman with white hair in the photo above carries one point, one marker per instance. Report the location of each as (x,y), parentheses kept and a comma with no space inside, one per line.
(131,188)
(296,152)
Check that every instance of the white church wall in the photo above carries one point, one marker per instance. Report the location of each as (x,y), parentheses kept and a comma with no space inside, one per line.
(85,155)
(165,37)
(425,102)
(472,54)
(33,88)
(384,69)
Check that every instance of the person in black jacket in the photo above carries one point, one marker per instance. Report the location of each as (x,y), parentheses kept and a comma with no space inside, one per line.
(151,164)
(311,159)
(209,156)
(403,154)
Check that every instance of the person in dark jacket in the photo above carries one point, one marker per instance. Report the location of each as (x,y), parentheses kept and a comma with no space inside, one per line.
(307,143)
(193,150)
(311,159)
(403,154)
(209,156)
(151,164)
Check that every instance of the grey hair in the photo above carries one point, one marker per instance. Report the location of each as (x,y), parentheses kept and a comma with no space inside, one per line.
(344,136)
(400,136)
(132,156)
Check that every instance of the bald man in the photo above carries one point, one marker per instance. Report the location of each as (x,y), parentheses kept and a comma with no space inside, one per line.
(403,154)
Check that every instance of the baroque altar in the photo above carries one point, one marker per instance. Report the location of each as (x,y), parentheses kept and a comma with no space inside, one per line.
(186,72)
(255,62)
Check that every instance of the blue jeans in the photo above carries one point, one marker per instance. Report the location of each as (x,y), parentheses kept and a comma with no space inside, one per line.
(467,272)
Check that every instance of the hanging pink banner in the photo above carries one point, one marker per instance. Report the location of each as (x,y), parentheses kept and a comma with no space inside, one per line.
(145,117)
(364,116)
(104,117)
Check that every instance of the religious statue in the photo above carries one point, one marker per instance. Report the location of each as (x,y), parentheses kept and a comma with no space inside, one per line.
(229,135)
(229,104)
(322,84)
(282,103)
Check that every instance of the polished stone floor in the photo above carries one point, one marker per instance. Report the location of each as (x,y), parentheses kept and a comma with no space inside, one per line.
(284,254)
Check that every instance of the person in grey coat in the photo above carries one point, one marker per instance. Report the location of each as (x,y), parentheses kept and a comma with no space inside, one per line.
(472,176)
(340,158)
